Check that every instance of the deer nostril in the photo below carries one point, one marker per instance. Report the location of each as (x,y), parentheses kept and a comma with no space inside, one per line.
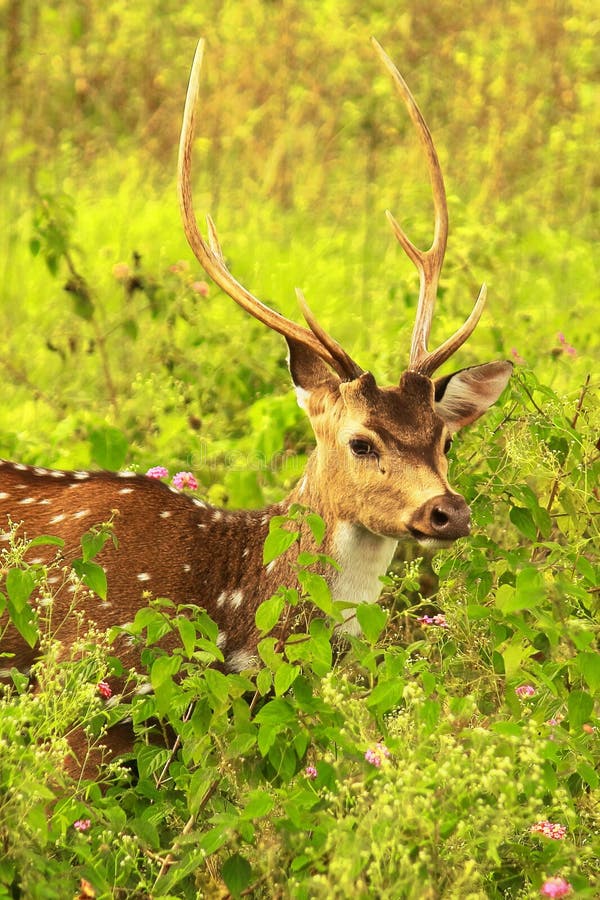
(439,518)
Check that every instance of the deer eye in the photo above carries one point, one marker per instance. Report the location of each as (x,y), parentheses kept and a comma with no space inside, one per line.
(362,448)
(447,445)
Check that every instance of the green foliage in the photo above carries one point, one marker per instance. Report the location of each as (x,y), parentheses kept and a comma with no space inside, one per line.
(117,353)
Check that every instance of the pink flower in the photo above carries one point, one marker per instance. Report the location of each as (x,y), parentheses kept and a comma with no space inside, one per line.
(377,755)
(310,772)
(525,690)
(105,690)
(517,356)
(82,824)
(439,620)
(549,829)
(181,265)
(555,720)
(556,887)
(566,348)
(200,287)
(157,472)
(185,480)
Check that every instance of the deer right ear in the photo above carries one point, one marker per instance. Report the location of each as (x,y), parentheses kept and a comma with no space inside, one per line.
(464,396)
(309,373)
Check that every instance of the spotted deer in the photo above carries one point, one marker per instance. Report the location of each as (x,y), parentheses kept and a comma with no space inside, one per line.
(377,475)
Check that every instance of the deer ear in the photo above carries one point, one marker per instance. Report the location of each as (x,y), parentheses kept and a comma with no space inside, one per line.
(309,373)
(464,396)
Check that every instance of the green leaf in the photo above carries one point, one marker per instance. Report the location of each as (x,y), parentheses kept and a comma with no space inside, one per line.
(580,706)
(92,542)
(267,735)
(187,633)
(236,873)
(19,587)
(264,680)
(275,712)
(277,542)
(317,589)
(386,695)
(217,684)
(108,447)
(268,613)
(372,619)
(258,804)
(93,575)
(46,539)
(523,519)
(588,664)
(285,676)
(163,669)
(317,527)
(528,592)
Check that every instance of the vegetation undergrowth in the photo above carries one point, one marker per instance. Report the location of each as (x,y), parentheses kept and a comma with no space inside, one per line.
(453,750)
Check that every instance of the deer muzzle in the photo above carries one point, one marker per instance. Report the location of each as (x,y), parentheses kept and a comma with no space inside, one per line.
(442,518)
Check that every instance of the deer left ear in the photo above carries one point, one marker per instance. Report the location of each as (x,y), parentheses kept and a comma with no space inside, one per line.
(309,373)
(464,396)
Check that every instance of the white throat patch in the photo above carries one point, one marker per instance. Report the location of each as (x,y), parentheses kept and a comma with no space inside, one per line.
(363,558)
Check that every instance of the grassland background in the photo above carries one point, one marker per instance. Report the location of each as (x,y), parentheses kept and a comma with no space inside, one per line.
(301,146)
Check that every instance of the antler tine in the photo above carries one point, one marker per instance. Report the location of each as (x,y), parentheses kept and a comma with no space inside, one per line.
(210,256)
(428,262)
(337,352)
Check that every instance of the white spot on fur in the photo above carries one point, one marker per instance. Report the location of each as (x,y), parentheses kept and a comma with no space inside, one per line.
(143,576)
(246,551)
(271,566)
(236,598)
(363,558)
(56,473)
(199,503)
(187,567)
(217,515)
(81,476)
(126,491)
(126,474)
(221,598)
(221,639)
(166,513)
(240,660)
(44,502)
(201,525)
(144,688)
(38,470)
(56,519)
(82,514)
(19,467)
(26,500)
(4,495)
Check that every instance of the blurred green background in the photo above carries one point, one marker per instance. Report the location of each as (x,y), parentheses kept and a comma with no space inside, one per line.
(301,146)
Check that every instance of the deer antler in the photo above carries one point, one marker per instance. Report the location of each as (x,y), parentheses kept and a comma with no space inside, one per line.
(210,255)
(428,262)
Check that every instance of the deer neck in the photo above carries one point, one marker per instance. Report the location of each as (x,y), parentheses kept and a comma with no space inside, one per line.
(362,556)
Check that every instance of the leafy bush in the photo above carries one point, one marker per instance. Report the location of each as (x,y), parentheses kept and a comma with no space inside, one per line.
(417,763)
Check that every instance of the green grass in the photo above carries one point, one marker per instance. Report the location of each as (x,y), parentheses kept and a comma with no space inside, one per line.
(302,147)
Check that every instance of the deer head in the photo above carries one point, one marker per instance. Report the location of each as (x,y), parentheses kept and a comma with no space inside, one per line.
(380,462)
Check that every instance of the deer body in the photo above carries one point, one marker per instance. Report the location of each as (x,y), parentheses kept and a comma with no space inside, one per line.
(378,473)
